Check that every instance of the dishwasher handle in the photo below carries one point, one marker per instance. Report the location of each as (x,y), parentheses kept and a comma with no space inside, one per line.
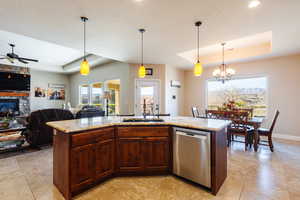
(201,136)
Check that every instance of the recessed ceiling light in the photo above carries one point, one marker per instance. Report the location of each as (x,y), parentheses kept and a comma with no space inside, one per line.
(254,3)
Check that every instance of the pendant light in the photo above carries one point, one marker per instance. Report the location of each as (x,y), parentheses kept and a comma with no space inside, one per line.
(84,66)
(142,69)
(223,73)
(198,68)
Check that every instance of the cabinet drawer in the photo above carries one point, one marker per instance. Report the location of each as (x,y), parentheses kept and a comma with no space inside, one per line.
(143,131)
(90,137)
(105,134)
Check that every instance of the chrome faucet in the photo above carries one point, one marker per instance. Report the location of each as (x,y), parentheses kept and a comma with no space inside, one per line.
(144,109)
(157,108)
(152,109)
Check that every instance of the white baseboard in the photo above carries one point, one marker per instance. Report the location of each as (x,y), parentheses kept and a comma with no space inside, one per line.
(287,137)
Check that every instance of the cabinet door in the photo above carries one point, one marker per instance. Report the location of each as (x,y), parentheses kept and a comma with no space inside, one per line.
(82,166)
(156,153)
(105,158)
(129,155)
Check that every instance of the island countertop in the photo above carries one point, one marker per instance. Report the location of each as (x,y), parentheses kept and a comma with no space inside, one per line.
(78,125)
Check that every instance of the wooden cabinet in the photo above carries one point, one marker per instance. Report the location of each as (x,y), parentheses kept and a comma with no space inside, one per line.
(82,159)
(148,153)
(82,166)
(92,157)
(156,153)
(130,154)
(105,158)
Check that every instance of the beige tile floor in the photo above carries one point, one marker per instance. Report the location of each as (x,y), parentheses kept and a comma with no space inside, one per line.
(251,176)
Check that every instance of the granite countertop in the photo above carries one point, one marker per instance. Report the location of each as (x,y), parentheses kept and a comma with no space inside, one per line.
(77,125)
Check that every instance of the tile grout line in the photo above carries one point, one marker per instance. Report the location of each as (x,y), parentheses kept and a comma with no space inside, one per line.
(241,191)
(33,196)
(285,177)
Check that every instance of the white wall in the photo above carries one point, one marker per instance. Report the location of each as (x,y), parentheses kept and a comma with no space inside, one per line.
(42,79)
(283,89)
(174,106)
(115,70)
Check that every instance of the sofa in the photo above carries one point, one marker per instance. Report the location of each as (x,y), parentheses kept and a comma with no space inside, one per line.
(89,111)
(37,132)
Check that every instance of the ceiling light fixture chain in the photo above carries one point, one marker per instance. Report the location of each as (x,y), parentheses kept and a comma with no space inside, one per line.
(84,19)
(223,57)
(142,45)
(198,41)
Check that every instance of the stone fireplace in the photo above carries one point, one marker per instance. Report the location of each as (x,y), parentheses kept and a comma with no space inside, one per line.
(9,105)
(18,101)
(18,105)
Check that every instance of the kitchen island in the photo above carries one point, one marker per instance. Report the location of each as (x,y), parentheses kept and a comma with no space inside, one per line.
(90,150)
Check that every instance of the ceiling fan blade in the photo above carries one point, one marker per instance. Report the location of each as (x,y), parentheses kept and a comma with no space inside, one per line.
(28,59)
(22,61)
(11,60)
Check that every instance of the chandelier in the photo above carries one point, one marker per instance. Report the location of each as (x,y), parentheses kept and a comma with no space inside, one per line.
(223,73)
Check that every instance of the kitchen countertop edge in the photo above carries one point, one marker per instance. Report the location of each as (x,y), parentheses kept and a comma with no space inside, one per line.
(65,129)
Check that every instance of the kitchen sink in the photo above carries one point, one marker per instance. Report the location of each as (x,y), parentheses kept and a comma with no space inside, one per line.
(143,120)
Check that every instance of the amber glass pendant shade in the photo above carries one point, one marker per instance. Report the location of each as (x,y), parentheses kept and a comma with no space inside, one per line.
(84,68)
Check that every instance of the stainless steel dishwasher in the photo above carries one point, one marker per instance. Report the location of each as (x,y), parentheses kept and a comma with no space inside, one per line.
(192,155)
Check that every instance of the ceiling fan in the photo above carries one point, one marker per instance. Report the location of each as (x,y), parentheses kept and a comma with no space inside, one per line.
(11,57)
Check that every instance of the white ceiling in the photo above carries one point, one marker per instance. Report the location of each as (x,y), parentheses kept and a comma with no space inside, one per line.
(112,30)
(51,56)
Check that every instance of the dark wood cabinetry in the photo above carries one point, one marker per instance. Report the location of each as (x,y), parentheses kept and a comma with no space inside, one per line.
(149,152)
(92,157)
(82,163)
(98,154)
(156,153)
(104,158)
(80,160)
(130,154)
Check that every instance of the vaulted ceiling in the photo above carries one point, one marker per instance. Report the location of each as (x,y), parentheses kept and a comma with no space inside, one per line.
(112,29)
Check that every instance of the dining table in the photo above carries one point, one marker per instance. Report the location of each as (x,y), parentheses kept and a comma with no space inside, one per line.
(256,123)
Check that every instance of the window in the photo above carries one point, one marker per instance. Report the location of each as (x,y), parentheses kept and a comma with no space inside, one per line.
(94,95)
(84,94)
(97,94)
(245,92)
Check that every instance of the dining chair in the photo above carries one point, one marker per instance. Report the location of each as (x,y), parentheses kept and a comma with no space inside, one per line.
(249,110)
(268,132)
(239,127)
(195,112)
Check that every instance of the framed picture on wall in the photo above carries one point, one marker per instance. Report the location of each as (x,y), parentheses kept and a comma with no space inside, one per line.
(149,72)
(56,92)
(39,92)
